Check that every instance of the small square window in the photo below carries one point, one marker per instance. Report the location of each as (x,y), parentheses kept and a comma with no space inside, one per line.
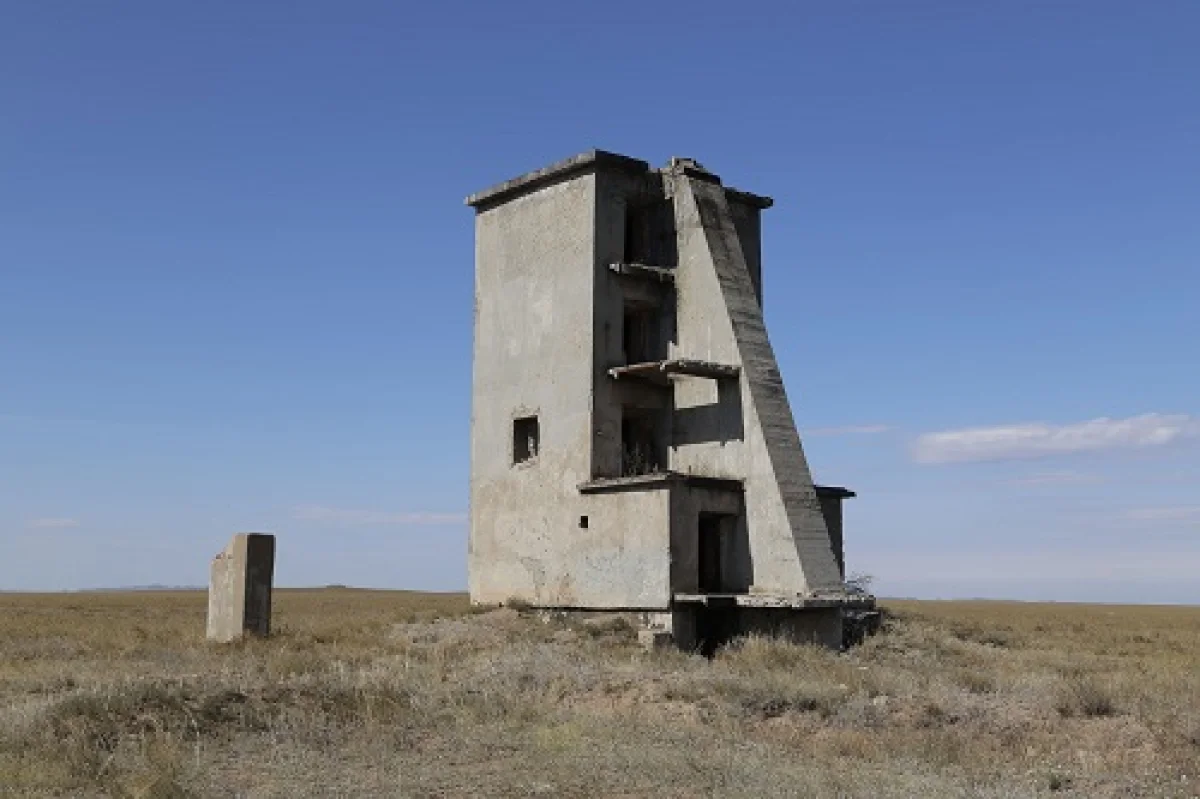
(526,439)
(583,522)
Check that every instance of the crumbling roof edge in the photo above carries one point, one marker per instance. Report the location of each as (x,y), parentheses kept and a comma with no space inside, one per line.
(759,201)
(561,170)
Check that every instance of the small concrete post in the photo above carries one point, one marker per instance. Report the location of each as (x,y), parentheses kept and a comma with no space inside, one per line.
(239,588)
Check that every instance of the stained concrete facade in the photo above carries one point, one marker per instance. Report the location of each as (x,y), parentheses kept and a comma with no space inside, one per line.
(239,588)
(632,445)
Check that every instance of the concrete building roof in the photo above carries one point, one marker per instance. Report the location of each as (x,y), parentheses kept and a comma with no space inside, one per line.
(583,162)
(559,170)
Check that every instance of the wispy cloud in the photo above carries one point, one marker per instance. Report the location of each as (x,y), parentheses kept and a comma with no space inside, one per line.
(375,518)
(848,430)
(1039,440)
(1056,478)
(53,523)
(1177,513)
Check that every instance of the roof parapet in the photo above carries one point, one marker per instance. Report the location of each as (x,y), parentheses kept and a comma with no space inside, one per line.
(692,168)
(601,159)
(561,170)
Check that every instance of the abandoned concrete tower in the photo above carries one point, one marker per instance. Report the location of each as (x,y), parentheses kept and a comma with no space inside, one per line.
(632,447)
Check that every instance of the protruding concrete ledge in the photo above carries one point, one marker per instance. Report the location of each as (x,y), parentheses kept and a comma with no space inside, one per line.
(660,371)
(834,491)
(660,274)
(592,159)
(657,480)
(777,601)
(746,198)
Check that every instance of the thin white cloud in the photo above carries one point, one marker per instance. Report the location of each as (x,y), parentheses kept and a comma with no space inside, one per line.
(848,430)
(373,518)
(1057,478)
(1039,440)
(53,523)
(1178,513)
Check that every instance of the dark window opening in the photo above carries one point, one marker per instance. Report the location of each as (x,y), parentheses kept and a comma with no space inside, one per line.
(711,544)
(583,522)
(638,332)
(650,234)
(525,439)
(640,444)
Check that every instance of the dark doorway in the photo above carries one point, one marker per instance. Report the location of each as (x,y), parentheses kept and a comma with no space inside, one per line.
(710,546)
(719,576)
(716,624)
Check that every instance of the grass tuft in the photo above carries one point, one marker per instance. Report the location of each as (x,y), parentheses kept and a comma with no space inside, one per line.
(1084,695)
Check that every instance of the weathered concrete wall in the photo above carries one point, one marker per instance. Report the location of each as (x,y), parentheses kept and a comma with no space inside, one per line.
(623,558)
(538,351)
(533,342)
(720,319)
(239,589)
(747,222)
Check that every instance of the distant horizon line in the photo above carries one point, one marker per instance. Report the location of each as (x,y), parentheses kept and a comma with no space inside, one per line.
(155,588)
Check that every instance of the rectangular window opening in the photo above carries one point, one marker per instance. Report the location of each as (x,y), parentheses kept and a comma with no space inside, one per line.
(583,522)
(526,439)
(711,533)
(650,233)
(641,443)
(638,331)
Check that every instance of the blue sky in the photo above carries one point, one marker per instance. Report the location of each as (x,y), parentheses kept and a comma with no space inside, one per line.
(236,271)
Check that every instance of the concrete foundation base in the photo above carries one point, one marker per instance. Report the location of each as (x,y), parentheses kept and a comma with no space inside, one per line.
(706,628)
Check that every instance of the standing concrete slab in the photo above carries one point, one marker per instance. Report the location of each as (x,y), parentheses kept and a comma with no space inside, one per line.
(239,588)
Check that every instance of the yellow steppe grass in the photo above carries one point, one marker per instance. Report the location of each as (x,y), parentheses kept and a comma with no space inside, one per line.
(373,693)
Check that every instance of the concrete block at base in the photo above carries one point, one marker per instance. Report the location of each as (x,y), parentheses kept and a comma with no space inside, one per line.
(812,626)
(239,588)
(706,629)
(655,639)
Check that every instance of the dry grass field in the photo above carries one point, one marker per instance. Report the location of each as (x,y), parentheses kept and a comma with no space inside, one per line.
(395,694)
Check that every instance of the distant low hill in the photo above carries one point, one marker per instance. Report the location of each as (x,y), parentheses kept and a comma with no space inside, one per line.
(151,587)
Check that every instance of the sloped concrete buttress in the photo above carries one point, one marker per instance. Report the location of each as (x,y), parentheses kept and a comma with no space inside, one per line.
(720,319)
